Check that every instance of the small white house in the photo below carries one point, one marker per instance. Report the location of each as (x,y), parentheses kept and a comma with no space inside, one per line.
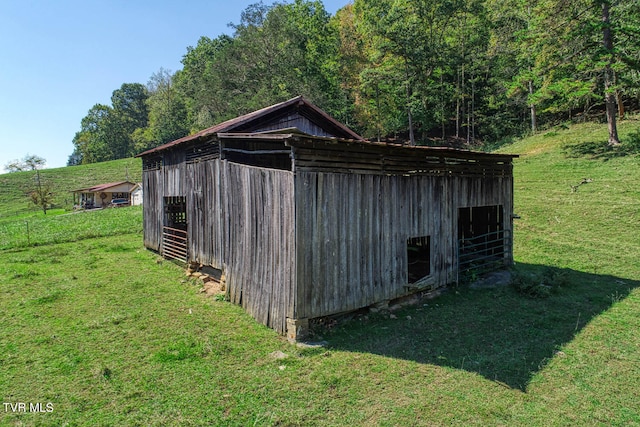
(101,196)
(136,195)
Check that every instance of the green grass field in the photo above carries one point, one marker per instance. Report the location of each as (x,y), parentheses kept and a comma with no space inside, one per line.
(107,333)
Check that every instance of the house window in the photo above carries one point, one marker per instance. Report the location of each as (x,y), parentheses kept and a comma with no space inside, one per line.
(418,258)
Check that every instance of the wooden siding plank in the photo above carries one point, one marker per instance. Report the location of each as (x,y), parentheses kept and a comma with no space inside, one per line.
(292,120)
(353,241)
(346,157)
(152,209)
(257,252)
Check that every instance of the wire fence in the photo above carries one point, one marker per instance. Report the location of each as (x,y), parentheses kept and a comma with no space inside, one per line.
(52,229)
(483,253)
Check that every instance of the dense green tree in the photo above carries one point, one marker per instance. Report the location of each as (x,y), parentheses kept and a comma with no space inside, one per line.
(91,142)
(75,158)
(200,82)
(167,114)
(130,103)
(276,52)
(347,62)
(129,112)
(423,71)
(428,52)
(626,15)
(311,29)
(281,51)
(511,60)
(106,131)
(580,56)
(367,77)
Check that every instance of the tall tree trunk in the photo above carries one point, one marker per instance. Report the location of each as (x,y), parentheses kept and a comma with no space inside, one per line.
(609,95)
(379,122)
(412,139)
(532,107)
(473,108)
(468,122)
(442,112)
(457,104)
(618,97)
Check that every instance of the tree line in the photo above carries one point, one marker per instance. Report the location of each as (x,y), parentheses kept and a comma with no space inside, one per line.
(414,71)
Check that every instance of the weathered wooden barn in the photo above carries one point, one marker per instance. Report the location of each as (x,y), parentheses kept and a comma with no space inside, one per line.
(306,219)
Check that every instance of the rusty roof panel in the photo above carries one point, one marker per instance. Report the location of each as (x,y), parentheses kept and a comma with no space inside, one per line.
(101,187)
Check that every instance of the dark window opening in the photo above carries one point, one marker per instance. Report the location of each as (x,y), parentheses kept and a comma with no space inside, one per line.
(151,163)
(266,154)
(202,152)
(174,233)
(261,159)
(418,258)
(481,238)
(175,212)
(480,223)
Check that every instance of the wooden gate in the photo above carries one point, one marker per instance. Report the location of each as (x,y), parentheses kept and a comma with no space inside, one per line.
(174,231)
(174,244)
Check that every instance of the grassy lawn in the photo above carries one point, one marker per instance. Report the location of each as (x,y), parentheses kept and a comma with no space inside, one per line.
(110,334)
(37,229)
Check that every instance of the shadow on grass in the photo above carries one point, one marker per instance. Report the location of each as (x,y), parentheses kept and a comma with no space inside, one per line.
(498,333)
(602,150)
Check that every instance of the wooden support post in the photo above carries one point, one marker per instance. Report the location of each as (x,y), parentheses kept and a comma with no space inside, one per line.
(297,329)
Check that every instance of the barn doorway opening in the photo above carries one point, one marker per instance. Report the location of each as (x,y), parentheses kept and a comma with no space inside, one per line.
(174,230)
(418,259)
(482,239)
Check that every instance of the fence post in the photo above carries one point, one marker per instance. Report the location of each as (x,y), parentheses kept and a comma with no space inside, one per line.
(28,237)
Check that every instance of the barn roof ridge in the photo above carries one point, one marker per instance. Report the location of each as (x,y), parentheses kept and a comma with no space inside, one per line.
(231,124)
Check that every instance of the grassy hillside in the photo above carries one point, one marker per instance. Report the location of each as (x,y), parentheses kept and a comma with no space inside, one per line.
(109,334)
(592,227)
(15,186)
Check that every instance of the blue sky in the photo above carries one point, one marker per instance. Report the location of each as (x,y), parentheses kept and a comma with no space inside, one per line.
(60,57)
